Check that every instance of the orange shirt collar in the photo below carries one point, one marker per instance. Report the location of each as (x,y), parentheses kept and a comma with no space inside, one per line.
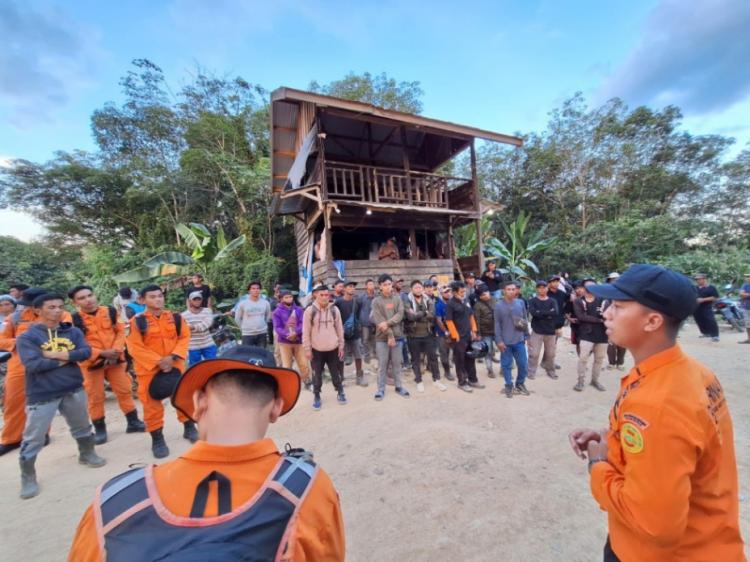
(657,361)
(210,452)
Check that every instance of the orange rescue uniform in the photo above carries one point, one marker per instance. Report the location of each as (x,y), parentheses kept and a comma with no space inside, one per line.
(14,409)
(160,340)
(102,334)
(318,533)
(669,485)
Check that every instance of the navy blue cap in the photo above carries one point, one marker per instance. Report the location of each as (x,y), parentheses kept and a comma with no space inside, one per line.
(655,287)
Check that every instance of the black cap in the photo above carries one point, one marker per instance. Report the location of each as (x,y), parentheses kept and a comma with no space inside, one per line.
(656,287)
(284,293)
(350,283)
(554,278)
(471,275)
(480,290)
(541,283)
(321,287)
(31,294)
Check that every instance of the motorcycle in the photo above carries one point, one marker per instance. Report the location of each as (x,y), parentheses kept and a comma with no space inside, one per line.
(730,310)
(225,335)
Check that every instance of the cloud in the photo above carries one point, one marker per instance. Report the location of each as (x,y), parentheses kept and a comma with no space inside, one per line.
(695,55)
(44,59)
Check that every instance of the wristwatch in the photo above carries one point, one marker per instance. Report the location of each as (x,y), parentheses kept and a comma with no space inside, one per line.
(592,462)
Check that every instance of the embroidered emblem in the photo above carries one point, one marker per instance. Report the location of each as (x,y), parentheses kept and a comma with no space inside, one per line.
(635,420)
(631,438)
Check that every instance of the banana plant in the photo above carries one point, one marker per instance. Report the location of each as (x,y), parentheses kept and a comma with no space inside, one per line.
(515,256)
(205,246)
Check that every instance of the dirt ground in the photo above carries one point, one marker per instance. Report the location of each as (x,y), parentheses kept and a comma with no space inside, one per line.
(442,476)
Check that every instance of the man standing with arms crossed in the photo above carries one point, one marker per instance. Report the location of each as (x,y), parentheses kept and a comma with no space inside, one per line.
(388,316)
(106,337)
(158,342)
(665,469)
(544,314)
(419,324)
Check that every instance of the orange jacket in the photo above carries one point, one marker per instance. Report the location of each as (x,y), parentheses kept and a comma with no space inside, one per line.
(669,485)
(317,536)
(12,331)
(160,340)
(101,334)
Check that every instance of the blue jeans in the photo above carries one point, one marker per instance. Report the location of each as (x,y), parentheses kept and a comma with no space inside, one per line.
(516,351)
(197,355)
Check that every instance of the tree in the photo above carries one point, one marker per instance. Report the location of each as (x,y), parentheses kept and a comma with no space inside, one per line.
(515,255)
(36,264)
(377,90)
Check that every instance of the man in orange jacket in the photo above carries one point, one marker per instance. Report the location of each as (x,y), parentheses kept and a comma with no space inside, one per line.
(158,342)
(106,336)
(14,414)
(233,495)
(665,470)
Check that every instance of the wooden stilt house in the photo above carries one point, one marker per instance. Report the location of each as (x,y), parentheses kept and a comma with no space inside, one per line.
(354,175)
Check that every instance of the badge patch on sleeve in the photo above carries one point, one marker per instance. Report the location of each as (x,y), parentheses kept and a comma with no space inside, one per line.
(631,438)
(635,420)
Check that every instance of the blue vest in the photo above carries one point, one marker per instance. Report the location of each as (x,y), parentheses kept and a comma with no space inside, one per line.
(135,525)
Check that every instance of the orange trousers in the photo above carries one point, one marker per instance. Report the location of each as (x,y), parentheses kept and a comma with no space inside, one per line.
(119,380)
(153,410)
(14,409)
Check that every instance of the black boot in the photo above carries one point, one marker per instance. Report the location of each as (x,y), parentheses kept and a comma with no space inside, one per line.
(29,487)
(8,447)
(158,445)
(134,424)
(100,431)
(86,453)
(190,433)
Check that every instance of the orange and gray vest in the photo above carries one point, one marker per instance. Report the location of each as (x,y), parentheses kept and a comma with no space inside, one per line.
(133,523)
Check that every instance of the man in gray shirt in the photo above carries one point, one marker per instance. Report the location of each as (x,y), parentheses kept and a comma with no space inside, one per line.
(252,316)
(388,316)
(511,330)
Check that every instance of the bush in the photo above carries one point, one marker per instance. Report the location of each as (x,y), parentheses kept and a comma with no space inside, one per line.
(723,267)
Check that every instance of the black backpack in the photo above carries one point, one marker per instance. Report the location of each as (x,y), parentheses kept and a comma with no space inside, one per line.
(78,319)
(141,322)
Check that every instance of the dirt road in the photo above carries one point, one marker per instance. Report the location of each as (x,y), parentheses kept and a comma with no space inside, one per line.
(442,476)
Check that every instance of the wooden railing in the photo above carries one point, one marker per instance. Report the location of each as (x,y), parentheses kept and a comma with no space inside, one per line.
(370,184)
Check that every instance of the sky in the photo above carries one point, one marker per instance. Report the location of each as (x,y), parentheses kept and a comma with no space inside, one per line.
(500,65)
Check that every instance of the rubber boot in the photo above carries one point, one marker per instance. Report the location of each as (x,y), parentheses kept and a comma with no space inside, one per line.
(86,453)
(158,445)
(100,431)
(29,487)
(7,448)
(190,433)
(134,424)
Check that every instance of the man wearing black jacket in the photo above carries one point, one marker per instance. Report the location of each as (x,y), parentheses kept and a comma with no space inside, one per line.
(592,334)
(50,352)
(545,316)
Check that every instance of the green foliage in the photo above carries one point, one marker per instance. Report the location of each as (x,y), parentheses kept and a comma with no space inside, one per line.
(36,264)
(379,90)
(724,267)
(514,257)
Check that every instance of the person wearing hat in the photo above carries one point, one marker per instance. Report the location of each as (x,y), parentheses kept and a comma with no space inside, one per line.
(665,469)
(252,316)
(419,311)
(592,336)
(106,337)
(349,308)
(484,312)
(7,308)
(561,297)
(569,308)
(544,314)
(443,295)
(323,342)
(50,351)
(197,284)
(287,325)
(364,305)
(14,413)
(199,318)
(463,330)
(232,495)
(745,300)
(704,313)
(158,342)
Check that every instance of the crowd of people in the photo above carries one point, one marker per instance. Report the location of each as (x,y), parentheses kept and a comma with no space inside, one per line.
(60,361)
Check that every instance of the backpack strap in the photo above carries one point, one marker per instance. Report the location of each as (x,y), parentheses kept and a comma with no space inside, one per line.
(177,317)
(119,495)
(16,317)
(78,321)
(141,322)
(112,315)
(296,473)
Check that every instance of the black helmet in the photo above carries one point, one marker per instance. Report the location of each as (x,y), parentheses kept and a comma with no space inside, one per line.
(477,350)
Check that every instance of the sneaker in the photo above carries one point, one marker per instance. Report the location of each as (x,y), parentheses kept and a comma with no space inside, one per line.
(621,367)
(610,367)
(361,381)
(530,376)
(477,384)
(316,402)
(552,375)
(450,377)
(379,395)
(521,389)
(402,392)
(578,387)
(490,374)
(465,388)
(341,398)
(420,387)
(308,385)
(597,385)
(703,336)
(440,386)
(508,391)
(715,339)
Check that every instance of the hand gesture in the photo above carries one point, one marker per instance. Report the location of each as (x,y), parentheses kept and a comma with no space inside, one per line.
(580,439)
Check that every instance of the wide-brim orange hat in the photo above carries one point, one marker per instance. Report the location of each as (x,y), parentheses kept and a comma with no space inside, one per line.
(239,358)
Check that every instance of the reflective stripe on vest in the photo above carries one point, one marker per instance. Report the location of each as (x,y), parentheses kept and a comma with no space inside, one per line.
(133,523)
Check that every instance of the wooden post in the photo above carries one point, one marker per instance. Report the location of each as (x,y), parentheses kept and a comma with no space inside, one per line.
(321,159)
(405,157)
(413,243)
(477,210)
